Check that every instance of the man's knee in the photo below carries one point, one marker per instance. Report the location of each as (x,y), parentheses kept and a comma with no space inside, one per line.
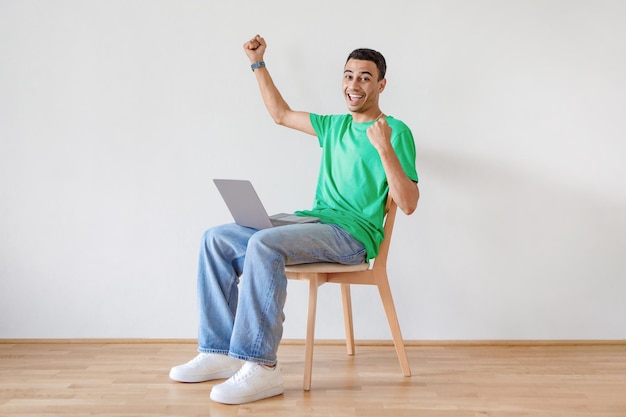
(211,234)
(268,239)
(215,234)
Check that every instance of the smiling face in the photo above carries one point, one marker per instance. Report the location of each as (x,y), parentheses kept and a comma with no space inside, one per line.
(361,88)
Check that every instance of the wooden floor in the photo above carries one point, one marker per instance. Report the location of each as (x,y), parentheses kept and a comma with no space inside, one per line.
(116,379)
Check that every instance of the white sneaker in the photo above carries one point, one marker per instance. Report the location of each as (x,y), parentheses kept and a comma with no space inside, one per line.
(253,382)
(206,366)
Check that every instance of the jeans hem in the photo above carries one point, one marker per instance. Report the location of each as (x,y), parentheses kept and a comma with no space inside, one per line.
(209,350)
(252,359)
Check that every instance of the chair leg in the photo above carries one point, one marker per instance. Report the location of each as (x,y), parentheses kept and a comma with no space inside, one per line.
(394,325)
(347,317)
(310,332)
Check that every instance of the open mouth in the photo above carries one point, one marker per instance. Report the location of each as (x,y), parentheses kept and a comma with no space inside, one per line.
(354,97)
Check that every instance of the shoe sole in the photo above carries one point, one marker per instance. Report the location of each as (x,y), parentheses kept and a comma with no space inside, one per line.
(226,373)
(243,399)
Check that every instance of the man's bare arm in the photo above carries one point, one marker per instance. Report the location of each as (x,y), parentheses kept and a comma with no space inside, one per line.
(403,190)
(277,107)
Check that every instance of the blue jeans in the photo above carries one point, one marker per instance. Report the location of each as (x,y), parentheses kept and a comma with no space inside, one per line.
(247,322)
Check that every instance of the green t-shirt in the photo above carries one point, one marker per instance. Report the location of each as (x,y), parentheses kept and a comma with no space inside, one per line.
(352,186)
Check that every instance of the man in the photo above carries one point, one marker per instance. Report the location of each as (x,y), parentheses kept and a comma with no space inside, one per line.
(367,157)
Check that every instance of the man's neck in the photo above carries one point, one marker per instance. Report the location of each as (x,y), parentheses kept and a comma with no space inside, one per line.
(368,116)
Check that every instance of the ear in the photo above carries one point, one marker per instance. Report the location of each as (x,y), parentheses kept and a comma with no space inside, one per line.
(381,85)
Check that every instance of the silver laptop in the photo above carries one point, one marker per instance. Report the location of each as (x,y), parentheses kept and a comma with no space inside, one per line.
(246,207)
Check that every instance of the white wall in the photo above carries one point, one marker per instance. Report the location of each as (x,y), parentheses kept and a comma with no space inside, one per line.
(115,115)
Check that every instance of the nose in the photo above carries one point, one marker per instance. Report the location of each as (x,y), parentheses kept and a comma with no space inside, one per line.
(352,83)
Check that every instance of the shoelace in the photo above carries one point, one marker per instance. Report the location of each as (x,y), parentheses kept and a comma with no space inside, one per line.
(244,372)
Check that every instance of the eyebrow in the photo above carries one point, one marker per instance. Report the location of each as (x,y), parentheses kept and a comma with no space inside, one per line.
(362,72)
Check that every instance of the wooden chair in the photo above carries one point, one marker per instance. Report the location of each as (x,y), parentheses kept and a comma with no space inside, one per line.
(346,275)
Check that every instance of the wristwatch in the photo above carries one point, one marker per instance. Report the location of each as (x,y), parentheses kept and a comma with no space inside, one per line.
(257,64)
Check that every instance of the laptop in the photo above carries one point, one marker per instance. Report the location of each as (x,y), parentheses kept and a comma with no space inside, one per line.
(247,210)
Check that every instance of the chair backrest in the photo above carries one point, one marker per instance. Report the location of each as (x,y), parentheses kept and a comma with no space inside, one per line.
(390,218)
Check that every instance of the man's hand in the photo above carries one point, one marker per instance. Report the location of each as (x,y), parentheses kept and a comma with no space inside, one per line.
(380,134)
(255,48)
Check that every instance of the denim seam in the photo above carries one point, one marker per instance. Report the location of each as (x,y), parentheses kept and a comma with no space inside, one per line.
(267,302)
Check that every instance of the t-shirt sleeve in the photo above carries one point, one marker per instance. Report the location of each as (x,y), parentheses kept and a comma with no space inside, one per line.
(317,121)
(404,145)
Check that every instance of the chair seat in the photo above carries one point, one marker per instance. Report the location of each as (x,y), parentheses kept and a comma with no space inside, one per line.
(325,268)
